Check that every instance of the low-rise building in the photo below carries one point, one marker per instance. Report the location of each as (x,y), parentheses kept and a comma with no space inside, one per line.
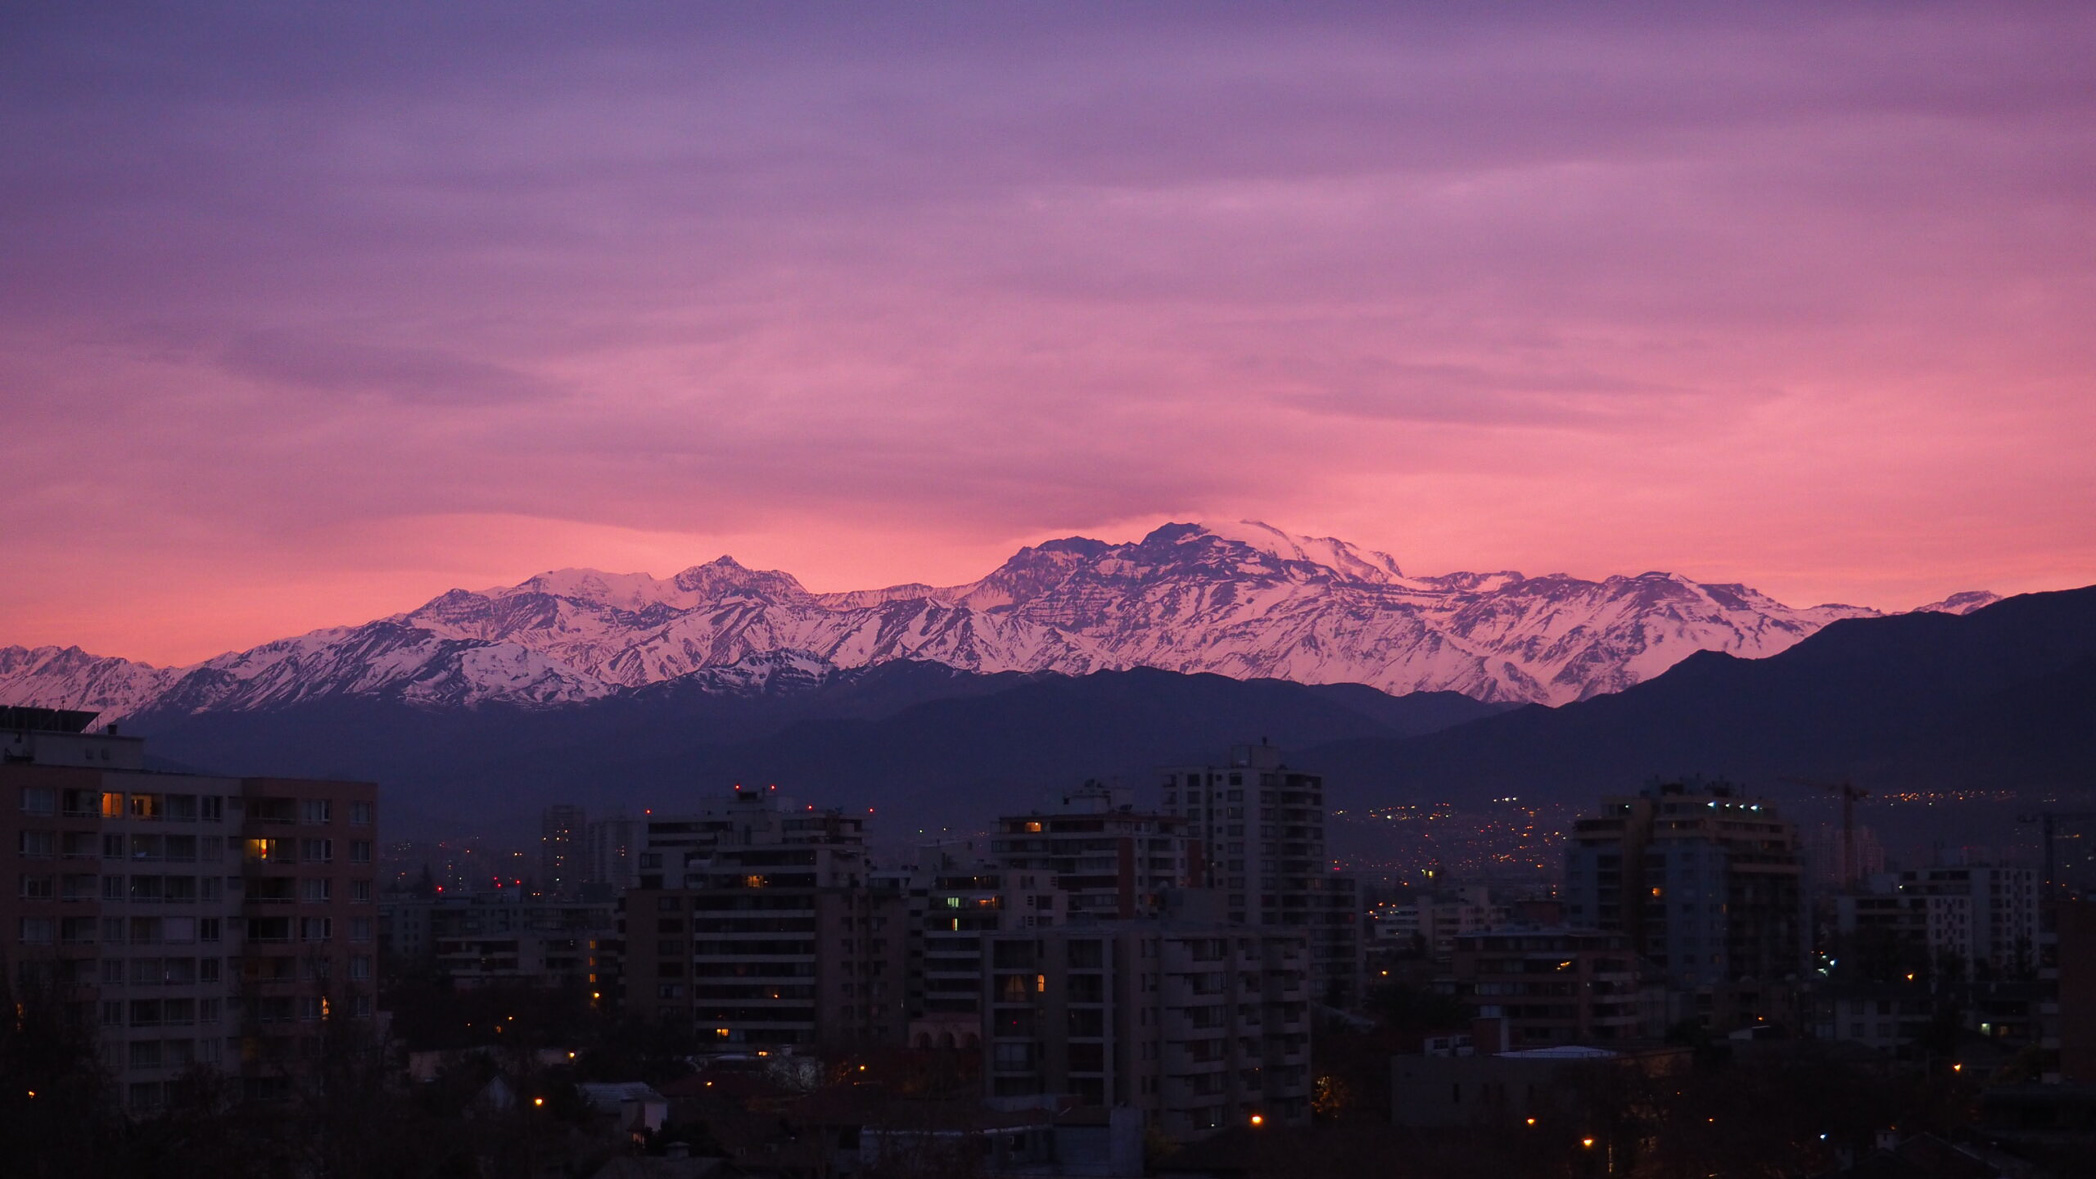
(498,939)
(1549,986)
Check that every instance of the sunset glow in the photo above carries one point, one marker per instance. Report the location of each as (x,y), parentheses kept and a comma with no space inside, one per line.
(305,319)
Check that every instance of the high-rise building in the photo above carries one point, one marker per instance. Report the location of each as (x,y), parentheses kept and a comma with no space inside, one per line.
(757,920)
(188,919)
(959,897)
(1110,860)
(1199,1026)
(562,830)
(611,850)
(1705,882)
(1258,830)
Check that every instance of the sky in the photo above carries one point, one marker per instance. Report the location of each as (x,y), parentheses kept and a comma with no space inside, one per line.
(311,312)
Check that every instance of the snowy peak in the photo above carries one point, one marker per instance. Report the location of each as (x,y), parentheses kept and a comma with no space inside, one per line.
(724,578)
(1960,603)
(1329,552)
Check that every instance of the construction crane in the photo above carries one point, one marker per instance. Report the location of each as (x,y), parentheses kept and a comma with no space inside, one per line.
(2048,827)
(1850,794)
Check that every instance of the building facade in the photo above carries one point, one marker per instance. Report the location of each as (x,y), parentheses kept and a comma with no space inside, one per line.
(1198,1026)
(1705,883)
(1549,986)
(1258,830)
(189,920)
(1109,860)
(774,934)
(506,939)
(563,830)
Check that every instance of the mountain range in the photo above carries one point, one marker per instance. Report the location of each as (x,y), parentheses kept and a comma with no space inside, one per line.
(1928,711)
(1246,601)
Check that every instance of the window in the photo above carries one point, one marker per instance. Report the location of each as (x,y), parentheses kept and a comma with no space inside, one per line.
(39,845)
(112,805)
(316,810)
(78,888)
(207,970)
(180,848)
(316,929)
(39,800)
(211,849)
(178,930)
(207,929)
(316,890)
(316,851)
(269,851)
(360,851)
(308,1008)
(39,931)
(39,888)
(112,847)
(146,806)
(182,808)
(360,891)
(360,814)
(76,931)
(360,929)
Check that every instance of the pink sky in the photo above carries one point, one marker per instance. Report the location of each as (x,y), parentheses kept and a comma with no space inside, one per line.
(302,323)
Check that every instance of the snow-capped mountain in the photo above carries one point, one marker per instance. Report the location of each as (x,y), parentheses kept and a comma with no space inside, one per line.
(1244,600)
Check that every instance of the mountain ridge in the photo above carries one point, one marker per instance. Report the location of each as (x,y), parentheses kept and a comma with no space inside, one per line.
(1246,600)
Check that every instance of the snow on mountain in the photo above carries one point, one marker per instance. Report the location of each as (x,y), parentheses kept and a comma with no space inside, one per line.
(1961,603)
(67,677)
(1244,600)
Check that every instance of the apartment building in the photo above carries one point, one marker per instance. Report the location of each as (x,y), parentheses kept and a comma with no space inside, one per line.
(1430,924)
(962,897)
(309,907)
(1109,860)
(1258,828)
(1548,986)
(562,868)
(190,919)
(1199,1026)
(504,939)
(1986,916)
(1706,883)
(773,935)
(611,851)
